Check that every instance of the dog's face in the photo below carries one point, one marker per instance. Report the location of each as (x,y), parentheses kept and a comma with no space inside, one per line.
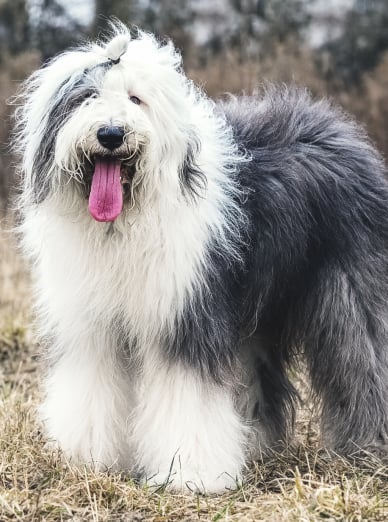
(111,119)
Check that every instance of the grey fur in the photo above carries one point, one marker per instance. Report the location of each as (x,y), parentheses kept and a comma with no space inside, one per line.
(315,273)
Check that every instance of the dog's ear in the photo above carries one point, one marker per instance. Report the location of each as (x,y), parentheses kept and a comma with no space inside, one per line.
(191,176)
(46,99)
(68,97)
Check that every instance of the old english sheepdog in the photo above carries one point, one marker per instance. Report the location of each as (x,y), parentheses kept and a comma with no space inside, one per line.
(185,251)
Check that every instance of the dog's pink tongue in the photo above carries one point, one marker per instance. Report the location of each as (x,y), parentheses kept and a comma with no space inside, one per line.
(106,195)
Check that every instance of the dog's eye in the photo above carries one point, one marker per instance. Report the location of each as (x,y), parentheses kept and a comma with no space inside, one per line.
(135,99)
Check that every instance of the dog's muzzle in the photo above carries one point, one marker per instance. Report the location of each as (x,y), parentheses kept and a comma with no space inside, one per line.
(111,137)
(111,173)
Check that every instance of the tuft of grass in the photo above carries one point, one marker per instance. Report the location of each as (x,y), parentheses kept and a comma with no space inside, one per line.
(299,484)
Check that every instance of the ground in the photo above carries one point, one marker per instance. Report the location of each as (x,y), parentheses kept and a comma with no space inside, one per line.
(36,484)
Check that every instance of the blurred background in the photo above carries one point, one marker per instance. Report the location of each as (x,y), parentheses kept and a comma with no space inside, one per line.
(338,48)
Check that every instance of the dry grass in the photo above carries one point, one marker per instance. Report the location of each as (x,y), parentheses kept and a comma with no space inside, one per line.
(37,485)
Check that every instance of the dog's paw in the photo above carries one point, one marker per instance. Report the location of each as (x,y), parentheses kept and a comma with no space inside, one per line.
(193,481)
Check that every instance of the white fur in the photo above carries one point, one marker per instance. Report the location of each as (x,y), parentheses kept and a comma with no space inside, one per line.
(117,46)
(120,404)
(186,432)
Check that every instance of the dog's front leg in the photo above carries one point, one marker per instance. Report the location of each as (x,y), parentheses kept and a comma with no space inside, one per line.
(86,398)
(186,432)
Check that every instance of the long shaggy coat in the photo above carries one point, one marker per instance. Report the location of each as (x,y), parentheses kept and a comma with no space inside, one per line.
(185,251)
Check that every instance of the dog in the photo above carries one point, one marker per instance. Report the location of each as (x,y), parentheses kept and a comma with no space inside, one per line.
(185,252)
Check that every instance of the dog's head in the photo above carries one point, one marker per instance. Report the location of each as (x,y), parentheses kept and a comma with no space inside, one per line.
(111,121)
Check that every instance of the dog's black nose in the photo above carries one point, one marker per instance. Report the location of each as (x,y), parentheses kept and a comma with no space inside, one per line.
(110,137)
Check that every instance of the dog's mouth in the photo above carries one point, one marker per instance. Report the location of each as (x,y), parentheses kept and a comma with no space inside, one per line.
(108,180)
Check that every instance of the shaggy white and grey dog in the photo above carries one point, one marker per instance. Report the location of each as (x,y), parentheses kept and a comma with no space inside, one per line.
(185,251)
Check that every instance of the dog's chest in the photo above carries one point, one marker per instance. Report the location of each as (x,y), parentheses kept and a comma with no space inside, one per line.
(142,271)
(146,271)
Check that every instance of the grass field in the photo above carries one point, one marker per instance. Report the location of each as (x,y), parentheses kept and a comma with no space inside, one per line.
(36,484)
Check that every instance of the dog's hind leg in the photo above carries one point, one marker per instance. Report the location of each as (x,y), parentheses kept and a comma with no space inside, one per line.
(266,396)
(346,345)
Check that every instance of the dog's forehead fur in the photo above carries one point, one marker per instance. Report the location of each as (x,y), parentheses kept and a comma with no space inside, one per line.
(144,56)
(117,46)
(140,58)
